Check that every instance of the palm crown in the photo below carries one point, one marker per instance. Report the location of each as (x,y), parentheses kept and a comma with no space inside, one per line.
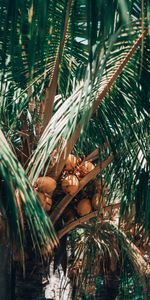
(73,78)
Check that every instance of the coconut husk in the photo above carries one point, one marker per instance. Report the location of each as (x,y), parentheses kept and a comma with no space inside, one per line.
(45,184)
(45,200)
(85,168)
(77,174)
(84,207)
(96,201)
(71,162)
(70,184)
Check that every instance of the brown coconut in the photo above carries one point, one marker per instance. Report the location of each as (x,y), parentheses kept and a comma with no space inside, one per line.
(48,203)
(77,173)
(45,184)
(71,162)
(84,207)
(96,201)
(45,200)
(70,184)
(85,168)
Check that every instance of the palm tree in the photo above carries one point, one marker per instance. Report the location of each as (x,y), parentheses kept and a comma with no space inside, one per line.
(66,64)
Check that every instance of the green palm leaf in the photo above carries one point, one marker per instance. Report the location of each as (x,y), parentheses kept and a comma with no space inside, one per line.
(111,250)
(20,206)
(79,105)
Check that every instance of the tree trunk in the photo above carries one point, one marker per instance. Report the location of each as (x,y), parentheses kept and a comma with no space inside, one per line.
(5,262)
(29,285)
(5,273)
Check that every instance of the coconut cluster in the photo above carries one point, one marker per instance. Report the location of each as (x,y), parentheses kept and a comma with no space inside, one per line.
(45,186)
(75,169)
(88,204)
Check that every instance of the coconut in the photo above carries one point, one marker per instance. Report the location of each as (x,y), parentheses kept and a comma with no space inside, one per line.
(71,162)
(45,200)
(70,184)
(77,173)
(48,203)
(84,207)
(85,168)
(41,197)
(45,184)
(96,201)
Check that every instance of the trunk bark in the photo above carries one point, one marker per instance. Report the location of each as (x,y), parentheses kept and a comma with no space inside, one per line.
(5,262)
(29,285)
(5,273)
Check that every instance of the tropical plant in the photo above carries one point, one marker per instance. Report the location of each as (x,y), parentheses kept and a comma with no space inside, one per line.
(73,79)
(115,256)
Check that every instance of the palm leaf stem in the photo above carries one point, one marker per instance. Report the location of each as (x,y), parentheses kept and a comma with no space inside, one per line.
(69,227)
(95,154)
(47,104)
(131,246)
(102,93)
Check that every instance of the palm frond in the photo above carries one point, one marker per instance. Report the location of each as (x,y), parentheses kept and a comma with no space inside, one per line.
(80,104)
(20,205)
(111,250)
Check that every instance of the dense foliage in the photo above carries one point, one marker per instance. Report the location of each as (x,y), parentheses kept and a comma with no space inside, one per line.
(74,78)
